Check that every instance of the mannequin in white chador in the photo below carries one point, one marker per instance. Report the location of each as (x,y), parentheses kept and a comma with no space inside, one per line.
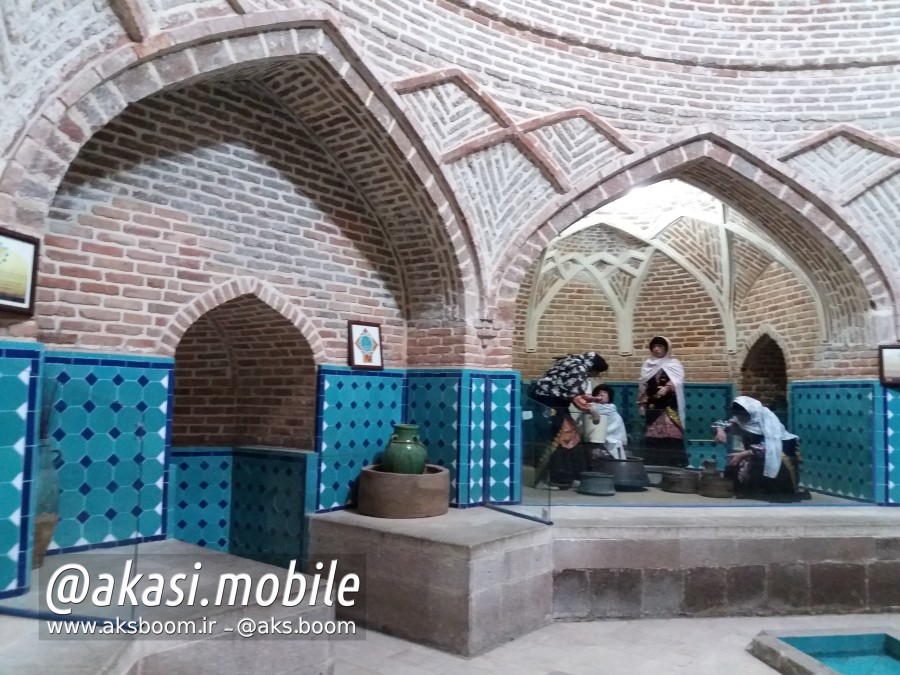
(661,404)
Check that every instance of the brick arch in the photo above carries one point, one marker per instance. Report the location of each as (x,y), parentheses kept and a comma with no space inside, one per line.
(418,210)
(764,330)
(768,384)
(231,290)
(758,186)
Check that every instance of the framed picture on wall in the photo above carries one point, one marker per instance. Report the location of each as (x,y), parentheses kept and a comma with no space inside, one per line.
(18,272)
(364,345)
(889,365)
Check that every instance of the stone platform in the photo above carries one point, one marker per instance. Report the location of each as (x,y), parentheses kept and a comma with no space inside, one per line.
(472,579)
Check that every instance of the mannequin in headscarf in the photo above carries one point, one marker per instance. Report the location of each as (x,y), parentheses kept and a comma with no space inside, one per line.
(564,385)
(769,464)
(661,404)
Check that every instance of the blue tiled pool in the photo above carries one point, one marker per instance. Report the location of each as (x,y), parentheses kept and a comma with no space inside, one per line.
(852,652)
(866,654)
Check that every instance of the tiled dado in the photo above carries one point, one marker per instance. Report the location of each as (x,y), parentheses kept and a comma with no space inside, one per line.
(200,480)
(355,415)
(110,420)
(470,421)
(19,402)
(704,404)
(272,497)
(887,450)
(842,432)
(248,501)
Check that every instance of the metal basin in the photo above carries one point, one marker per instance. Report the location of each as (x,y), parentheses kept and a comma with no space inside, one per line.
(596,483)
(685,481)
(628,474)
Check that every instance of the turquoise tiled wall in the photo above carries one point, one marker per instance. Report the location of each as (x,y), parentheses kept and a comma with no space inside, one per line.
(887,468)
(269,505)
(433,402)
(470,421)
(356,412)
(19,402)
(841,427)
(253,502)
(503,435)
(200,504)
(704,403)
(111,423)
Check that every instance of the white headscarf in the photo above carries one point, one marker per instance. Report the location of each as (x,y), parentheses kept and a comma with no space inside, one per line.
(616,435)
(765,423)
(673,369)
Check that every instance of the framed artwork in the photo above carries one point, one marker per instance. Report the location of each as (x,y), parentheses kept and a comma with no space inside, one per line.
(889,365)
(18,272)
(364,345)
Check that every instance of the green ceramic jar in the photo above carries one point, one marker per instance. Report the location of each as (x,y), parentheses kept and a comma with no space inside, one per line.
(405,452)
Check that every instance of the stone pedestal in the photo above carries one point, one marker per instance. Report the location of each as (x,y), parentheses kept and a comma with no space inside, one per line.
(464,582)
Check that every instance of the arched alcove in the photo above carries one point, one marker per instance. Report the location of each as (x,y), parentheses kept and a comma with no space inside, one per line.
(244,375)
(764,375)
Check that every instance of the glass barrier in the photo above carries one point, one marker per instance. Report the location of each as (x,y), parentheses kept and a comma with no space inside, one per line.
(537,447)
(832,463)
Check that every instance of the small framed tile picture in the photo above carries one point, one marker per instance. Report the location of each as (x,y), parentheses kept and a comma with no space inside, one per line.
(364,345)
(889,365)
(18,272)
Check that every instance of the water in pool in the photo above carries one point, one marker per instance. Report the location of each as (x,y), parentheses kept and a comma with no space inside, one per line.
(868,654)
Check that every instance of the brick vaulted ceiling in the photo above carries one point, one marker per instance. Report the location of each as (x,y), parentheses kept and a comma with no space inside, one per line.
(327,107)
(684,224)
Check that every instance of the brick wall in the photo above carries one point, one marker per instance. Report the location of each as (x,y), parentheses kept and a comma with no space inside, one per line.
(205,401)
(244,376)
(578,320)
(763,373)
(777,300)
(671,303)
(519,71)
(772,303)
(189,189)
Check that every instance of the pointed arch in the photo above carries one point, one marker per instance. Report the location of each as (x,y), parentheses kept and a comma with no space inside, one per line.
(230,290)
(756,185)
(430,229)
(764,330)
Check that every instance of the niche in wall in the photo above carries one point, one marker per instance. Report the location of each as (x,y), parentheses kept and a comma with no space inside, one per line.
(244,375)
(764,375)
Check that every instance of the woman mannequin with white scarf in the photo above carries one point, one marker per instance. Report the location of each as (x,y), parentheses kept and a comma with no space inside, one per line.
(769,465)
(661,404)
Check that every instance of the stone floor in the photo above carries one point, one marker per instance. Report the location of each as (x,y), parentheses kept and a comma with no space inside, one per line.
(695,646)
(638,647)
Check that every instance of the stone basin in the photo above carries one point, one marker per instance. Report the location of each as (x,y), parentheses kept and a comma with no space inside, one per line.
(384,494)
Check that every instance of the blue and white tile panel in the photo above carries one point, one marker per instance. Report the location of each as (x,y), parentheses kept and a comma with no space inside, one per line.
(112,425)
(19,409)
